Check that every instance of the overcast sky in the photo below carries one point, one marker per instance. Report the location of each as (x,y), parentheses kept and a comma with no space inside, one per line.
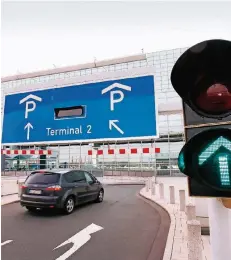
(37,35)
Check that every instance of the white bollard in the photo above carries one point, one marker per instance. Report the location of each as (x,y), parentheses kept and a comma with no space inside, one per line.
(191,212)
(194,240)
(182,200)
(19,188)
(153,188)
(172,194)
(146,184)
(161,190)
(150,183)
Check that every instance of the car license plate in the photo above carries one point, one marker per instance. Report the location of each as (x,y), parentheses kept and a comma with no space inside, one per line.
(35,191)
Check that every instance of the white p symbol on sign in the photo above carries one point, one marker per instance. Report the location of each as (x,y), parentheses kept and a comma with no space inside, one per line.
(113,99)
(29,108)
(30,105)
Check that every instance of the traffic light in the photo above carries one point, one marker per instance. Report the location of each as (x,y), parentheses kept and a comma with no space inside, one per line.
(202,78)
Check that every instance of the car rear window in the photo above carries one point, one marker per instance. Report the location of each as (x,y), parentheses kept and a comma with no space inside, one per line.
(43,178)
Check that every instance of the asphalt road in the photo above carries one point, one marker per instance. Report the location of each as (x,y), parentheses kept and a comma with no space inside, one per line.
(133,229)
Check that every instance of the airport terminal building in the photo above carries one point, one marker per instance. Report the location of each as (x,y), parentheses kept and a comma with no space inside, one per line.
(140,157)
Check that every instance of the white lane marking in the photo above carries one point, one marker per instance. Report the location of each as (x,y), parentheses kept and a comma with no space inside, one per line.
(6,242)
(78,240)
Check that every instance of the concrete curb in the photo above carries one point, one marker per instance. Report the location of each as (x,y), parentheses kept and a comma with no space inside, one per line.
(11,202)
(5,195)
(170,239)
(9,199)
(163,230)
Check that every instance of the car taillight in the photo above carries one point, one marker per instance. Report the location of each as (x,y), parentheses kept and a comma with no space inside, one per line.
(23,186)
(54,188)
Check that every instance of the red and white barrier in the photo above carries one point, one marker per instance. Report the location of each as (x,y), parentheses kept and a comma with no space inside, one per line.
(26,152)
(124,151)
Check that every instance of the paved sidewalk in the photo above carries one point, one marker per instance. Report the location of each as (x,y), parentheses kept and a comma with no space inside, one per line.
(177,244)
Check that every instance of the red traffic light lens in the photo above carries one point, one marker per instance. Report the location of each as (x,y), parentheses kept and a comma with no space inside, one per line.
(202,78)
(215,99)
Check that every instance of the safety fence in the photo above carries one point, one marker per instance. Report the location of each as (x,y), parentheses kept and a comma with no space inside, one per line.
(130,159)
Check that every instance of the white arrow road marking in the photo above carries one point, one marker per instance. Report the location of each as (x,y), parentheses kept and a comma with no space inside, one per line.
(78,240)
(28,126)
(112,124)
(6,242)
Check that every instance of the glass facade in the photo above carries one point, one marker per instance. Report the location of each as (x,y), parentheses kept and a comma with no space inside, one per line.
(170,124)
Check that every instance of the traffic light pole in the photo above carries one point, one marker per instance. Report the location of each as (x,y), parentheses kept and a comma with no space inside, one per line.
(220,230)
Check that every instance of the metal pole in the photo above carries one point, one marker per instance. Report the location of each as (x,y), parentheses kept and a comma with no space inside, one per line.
(58,157)
(169,153)
(69,156)
(103,158)
(141,157)
(155,162)
(220,235)
(80,156)
(43,159)
(115,163)
(128,159)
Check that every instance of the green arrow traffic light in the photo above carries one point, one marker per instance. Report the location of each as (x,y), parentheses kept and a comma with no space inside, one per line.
(206,158)
(213,147)
(222,159)
(224,169)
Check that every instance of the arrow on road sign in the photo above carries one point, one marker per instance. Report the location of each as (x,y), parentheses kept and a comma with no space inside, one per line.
(28,126)
(213,147)
(6,242)
(112,123)
(31,96)
(116,85)
(78,240)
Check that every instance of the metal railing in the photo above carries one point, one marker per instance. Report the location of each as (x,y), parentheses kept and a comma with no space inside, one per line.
(118,159)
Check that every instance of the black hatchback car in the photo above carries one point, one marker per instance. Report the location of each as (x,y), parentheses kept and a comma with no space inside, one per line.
(62,189)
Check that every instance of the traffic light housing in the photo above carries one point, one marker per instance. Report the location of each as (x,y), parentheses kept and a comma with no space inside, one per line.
(201,76)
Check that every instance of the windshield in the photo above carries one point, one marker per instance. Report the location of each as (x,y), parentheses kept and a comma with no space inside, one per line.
(43,178)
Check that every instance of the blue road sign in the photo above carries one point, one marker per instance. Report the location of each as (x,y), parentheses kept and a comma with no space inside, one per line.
(102,111)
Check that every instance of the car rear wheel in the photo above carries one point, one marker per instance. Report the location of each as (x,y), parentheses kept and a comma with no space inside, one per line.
(100,196)
(69,205)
